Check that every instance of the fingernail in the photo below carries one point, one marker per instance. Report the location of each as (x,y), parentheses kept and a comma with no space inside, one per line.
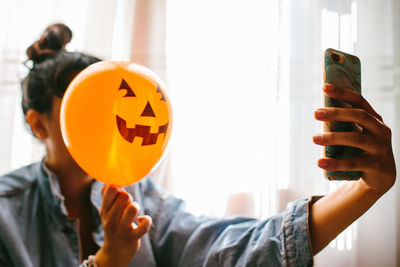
(120,188)
(141,218)
(320,113)
(329,87)
(322,163)
(317,138)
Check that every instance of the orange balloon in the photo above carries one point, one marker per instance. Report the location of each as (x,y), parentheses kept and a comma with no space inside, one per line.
(116,120)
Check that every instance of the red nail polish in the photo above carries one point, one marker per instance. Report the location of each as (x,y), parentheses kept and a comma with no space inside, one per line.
(317,138)
(320,113)
(329,87)
(322,163)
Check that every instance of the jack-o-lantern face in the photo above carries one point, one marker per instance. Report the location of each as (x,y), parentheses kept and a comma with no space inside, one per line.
(140,130)
(116,121)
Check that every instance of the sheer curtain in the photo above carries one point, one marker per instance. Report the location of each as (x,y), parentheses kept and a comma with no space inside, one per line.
(244,77)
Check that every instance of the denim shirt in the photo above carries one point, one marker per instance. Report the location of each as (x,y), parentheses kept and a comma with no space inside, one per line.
(35,229)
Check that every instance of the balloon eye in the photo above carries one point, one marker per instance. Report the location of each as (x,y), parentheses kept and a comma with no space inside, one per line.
(162,94)
(125,85)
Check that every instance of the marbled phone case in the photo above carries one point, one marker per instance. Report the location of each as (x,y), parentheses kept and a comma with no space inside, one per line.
(343,70)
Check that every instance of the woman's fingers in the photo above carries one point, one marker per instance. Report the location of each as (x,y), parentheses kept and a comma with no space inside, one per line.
(371,135)
(143,226)
(364,163)
(121,235)
(129,215)
(359,116)
(354,139)
(109,193)
(351,97)
(117,209)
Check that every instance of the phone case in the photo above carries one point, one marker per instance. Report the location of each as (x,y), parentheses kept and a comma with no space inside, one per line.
(342,70)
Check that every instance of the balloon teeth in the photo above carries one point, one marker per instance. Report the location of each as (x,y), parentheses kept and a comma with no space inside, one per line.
(143,131)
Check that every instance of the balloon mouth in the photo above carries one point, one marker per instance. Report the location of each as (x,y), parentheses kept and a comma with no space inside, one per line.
(143,131)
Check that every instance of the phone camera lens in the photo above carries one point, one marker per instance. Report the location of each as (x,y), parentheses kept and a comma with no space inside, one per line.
(335,57)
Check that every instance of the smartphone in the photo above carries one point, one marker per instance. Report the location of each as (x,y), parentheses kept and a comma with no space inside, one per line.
(342,70)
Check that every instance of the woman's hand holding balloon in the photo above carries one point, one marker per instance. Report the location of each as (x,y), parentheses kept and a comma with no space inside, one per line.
(121,235)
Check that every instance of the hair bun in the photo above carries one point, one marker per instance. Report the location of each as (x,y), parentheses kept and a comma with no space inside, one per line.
(53,39)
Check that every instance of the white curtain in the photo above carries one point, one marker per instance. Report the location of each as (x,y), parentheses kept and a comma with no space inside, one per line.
(244,77)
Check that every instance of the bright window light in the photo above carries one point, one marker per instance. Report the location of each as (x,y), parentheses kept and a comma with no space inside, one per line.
(222,61)
(329,29)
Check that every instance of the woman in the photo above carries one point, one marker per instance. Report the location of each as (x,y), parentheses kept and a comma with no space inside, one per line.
(54,214)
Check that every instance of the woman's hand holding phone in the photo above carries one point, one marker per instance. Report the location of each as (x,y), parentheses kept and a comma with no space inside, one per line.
(374,138)
(331,214)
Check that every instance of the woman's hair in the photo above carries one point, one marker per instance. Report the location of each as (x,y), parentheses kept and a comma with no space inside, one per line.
(53,68)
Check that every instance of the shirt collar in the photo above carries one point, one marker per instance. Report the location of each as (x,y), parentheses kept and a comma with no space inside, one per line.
(54,185)
(51,188)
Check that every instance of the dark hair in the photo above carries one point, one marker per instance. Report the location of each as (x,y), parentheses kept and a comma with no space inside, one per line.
(53,68)
(54,38)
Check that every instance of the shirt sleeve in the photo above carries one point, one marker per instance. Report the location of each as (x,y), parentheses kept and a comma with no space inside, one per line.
(181,239)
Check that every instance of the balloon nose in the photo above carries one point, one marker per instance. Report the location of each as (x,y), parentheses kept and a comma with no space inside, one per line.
(148,111)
